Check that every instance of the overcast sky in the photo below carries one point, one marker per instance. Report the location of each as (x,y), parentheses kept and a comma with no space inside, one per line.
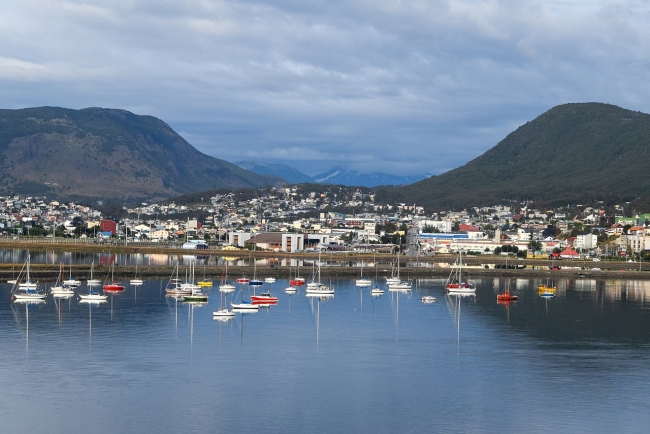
(403,87)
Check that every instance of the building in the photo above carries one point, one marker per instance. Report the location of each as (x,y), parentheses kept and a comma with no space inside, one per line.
(286,242)
(586,242)
(238,238)
(108,226)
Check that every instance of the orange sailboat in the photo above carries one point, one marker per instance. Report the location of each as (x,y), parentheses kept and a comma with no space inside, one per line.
(506,295)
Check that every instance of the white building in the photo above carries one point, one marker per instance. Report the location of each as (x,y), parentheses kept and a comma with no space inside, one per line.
(586,242)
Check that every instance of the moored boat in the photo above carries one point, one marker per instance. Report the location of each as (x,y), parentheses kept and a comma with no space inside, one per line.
(455,283)
(196,295)
(113,285)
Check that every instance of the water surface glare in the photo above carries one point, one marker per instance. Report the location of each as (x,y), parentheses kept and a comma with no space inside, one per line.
(141,362)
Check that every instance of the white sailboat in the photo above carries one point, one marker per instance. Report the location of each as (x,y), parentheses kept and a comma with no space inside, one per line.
(455,283)
(376,291)
(175,286)
(363,281)
(135,281)
(72,281)
(59,289)
(393,278)
(223,312)
(92,280)
(319,288)
(396,284)
(243,305)
(224,286)
(26,290)
(27,283)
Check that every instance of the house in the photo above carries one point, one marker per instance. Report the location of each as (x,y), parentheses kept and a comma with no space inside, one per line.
(569,253)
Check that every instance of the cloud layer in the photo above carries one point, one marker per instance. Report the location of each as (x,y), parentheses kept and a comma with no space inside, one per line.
(395,86)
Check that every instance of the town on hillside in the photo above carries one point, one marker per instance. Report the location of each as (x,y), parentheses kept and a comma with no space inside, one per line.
(299,218)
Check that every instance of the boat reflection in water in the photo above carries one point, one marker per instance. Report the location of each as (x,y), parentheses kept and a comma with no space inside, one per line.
(453,305)
(29,304)
(91,302)
(316,313)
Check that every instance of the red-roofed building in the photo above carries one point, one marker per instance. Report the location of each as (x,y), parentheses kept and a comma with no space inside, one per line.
(569,253)
(467,228)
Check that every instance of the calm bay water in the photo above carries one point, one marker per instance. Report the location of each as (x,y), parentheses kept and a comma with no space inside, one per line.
(142,362)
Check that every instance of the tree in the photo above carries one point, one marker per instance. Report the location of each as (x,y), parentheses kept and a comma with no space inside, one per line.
(534,245)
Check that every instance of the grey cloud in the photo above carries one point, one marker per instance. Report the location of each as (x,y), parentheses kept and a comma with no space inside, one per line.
(373,85)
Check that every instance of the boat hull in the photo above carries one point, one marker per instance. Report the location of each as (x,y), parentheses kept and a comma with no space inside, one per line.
(195,297)
(262,299)
(223,313)
(244,306)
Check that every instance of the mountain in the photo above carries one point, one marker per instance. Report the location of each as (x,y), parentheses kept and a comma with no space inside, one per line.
(106,153)
(338,175)
(573,153)
(283,171)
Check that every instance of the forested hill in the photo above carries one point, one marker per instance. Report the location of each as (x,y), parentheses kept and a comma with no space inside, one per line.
(108,154)
(572,153)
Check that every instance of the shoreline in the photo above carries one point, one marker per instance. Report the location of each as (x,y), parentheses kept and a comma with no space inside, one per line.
(435,267)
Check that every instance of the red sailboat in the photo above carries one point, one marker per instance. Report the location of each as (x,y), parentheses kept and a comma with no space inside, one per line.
(113,286)
(506,295)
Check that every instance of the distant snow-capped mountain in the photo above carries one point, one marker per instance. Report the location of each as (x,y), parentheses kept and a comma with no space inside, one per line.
(283,171)
(336,175)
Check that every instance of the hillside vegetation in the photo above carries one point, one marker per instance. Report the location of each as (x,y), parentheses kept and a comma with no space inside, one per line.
(572,153)
(107,154)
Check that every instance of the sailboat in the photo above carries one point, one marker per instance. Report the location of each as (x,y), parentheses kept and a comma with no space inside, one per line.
(264,298)
(135,281)
(223,312)
(455,281)
(60,289)
(72,281)
(175,286)
(196,295)
(205,282)
(189,285)
(112,285)
(319,288)
(546,291)
(506,295)
(363,281)
(26,290)
(27,283)
(255,281)
(92,296)
(393,278)
(225,286)
(92,280)
(397,284)
(296,281)
(243,305)
(292,288)
(376,291)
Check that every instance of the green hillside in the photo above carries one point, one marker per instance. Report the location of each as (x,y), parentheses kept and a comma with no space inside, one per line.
(572,153)
(106,153)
